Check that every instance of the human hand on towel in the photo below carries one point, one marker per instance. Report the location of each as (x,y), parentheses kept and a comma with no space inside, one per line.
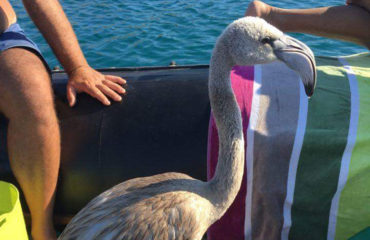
(100,86)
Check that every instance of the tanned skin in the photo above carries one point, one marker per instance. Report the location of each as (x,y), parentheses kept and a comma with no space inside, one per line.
(7,15)
(26,99)
(349,22)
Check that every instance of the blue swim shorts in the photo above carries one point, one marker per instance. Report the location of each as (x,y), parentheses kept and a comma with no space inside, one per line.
(14,37)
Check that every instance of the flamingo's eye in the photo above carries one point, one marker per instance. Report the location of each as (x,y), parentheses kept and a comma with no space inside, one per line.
(266,40)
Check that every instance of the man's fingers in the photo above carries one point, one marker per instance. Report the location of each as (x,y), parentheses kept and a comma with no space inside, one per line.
(71,95)
(96,93)
(114,86)
(115,79)
(110,93)
(97,85)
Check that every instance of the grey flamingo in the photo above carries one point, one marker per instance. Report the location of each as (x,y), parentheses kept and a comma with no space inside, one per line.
(173,206)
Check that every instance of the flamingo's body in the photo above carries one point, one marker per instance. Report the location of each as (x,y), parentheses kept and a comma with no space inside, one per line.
(173,206)
(140,205)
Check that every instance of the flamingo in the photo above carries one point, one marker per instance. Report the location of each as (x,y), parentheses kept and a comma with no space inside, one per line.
(172,205)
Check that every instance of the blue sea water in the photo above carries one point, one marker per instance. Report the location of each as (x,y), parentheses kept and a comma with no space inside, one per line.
(121,33)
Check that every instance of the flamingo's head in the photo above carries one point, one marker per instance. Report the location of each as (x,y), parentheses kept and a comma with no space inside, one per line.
(251,40)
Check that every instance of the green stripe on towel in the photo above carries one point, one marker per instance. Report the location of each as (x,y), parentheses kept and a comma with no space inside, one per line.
(323,146)
(354,204)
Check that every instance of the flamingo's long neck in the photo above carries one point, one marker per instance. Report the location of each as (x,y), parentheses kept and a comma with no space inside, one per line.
(230,167)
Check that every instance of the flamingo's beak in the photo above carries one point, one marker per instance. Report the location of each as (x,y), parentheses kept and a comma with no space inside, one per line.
(299,57)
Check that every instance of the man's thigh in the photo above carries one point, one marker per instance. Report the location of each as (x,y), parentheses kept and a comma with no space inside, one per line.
(24,82)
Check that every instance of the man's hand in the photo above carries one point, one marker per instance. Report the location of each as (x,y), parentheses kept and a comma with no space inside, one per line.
(85,79)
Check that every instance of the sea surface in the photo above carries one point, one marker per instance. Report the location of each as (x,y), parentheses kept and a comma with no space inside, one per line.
(122,33)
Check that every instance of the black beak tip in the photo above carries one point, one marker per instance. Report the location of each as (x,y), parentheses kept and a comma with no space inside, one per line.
(309,87)
(309,91)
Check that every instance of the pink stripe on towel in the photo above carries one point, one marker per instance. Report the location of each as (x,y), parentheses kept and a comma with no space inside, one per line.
(231,225)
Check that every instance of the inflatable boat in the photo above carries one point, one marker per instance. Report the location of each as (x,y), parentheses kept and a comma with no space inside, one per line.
(306,159)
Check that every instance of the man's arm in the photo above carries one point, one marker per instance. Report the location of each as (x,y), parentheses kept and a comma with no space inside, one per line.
(7,15)
(349,23)
(52,22)
(3,21)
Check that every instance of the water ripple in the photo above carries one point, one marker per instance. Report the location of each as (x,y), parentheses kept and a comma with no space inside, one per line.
(155,32)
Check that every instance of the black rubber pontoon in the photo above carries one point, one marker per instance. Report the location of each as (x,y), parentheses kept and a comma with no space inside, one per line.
(161,125)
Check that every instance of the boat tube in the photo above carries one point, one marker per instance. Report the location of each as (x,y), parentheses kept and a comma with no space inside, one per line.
(160,126)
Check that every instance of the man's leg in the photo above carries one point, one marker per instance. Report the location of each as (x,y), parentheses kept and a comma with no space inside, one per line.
(26,99)
(349,23)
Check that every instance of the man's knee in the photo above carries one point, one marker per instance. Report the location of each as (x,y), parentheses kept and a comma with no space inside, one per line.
(36,103)
(43,114)
(25,86)
(37,110)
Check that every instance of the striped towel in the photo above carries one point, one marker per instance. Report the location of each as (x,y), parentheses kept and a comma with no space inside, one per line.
(307,171)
